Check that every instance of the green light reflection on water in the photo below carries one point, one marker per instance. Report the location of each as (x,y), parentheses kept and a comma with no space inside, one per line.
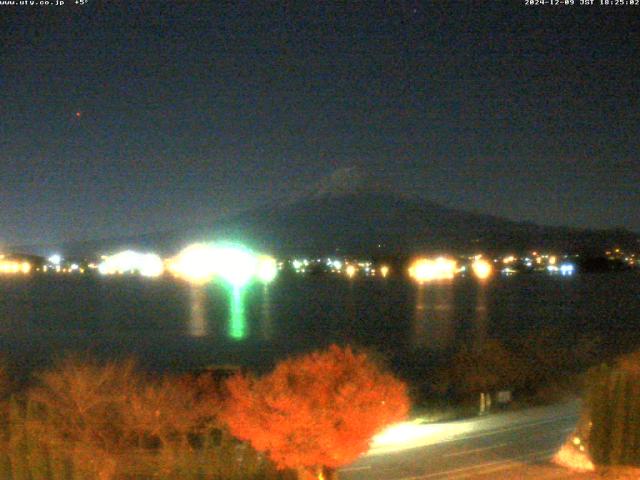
(237,319)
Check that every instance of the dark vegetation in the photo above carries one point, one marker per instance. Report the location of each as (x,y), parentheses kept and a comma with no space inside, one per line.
(539,367)
(85,420)
(88,420)
(613,410)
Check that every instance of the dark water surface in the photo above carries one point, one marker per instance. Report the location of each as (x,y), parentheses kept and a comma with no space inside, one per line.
(169,325)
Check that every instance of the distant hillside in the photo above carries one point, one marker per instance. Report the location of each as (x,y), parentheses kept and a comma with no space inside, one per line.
(369,222)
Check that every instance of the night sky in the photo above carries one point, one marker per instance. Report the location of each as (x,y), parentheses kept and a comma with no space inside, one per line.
(119,118)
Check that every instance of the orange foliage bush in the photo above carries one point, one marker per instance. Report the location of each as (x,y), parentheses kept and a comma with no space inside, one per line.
(318,410)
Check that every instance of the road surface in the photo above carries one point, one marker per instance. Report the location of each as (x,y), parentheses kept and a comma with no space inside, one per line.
(493,446)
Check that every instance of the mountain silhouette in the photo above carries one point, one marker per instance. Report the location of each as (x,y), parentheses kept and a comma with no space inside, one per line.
(366,221)
(370,222)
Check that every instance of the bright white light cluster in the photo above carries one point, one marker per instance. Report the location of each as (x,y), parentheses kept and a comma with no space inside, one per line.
(55,259)
(409,435)
(128,261)
(351,270)
(267,268)
(13,266)
(363,268)
(427,269)
(195,263)
(300,266)
(200,263)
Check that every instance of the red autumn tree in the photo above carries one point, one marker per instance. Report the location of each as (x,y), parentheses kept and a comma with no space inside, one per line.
(316,412)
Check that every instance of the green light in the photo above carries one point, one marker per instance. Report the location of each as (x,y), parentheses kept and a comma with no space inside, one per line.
(238,320)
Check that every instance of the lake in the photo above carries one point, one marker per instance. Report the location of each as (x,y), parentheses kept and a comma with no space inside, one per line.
(169,325)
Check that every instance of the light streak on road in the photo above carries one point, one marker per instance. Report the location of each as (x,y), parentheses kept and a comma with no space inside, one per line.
(498,446)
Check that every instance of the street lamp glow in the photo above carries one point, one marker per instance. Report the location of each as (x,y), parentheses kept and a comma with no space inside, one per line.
(14,266)
(267,269)
(235,265)
(482,269)
(427,270)
(567,269)
(128,261)
(200,263)
(196,263)
(421,270)
(509,259)
(150,265)
(350,271)
(384,271)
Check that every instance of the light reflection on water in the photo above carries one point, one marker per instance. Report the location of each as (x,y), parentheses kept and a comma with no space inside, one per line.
(480,324)
(171,325)
(420,317)
(197,325)
(437,321)
(237,316)
(266,319)
(198,322)
(434,326)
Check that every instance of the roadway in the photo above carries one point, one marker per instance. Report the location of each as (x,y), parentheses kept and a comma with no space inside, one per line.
(494,446)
